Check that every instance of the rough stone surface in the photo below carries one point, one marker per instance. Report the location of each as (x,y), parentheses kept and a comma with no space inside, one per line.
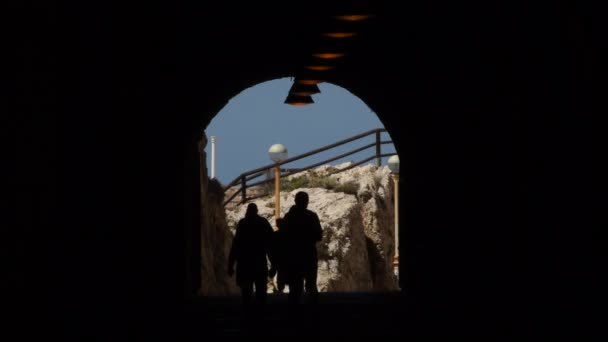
(215,241)
(357,249)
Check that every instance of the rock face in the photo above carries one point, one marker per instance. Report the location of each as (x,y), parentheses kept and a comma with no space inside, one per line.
(357,215)
(375,194)
(215,238)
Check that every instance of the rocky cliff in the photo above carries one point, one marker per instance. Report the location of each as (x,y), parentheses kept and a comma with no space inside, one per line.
(215,236)
(356,212)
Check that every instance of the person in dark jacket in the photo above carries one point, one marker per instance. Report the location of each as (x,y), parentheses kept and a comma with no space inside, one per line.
(303,231)
(249,250)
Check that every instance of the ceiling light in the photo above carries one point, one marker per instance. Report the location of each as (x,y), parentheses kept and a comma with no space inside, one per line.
(319,67)
(309,81)
(309,76)
(296,100)
(339,34)
(329,55)
(301,89)
(353,17)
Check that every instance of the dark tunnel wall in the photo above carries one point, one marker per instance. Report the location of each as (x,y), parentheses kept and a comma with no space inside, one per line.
(488,106)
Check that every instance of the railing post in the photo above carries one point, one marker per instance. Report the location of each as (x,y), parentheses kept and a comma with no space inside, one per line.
(255,173)
(277,191)
(378,152)
(243,189)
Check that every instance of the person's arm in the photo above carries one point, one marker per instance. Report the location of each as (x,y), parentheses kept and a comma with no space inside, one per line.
(318,230)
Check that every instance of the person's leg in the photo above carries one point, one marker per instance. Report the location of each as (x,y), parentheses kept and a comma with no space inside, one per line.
(311,285)
(280,282)
(246,292)
(296,286)
(261,289)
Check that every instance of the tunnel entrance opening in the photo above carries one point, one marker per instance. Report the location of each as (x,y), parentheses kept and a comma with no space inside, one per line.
(243,130)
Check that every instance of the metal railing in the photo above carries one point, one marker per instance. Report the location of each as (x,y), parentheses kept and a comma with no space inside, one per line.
(242,180)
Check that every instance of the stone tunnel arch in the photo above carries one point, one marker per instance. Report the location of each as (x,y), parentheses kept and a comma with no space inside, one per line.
(195,247)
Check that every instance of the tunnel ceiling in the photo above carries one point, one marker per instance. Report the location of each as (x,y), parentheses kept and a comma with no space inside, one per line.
(281,38)
(237,46)
(435,61)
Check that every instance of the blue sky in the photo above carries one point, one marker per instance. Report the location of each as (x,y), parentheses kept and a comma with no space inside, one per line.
(257,118)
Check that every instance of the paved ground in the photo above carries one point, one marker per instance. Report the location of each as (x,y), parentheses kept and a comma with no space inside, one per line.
(385,315)
(355,314)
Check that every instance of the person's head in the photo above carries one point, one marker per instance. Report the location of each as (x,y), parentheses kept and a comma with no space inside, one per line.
(252,209)
(301,199)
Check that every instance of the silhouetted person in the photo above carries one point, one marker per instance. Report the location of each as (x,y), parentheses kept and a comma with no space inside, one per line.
(303,231)
(249,250)
(278,249)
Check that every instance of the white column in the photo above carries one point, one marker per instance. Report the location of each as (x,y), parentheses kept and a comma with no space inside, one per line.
(212,157)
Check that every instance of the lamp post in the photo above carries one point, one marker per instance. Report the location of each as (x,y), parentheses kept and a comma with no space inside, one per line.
(277,153)
(393,165)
